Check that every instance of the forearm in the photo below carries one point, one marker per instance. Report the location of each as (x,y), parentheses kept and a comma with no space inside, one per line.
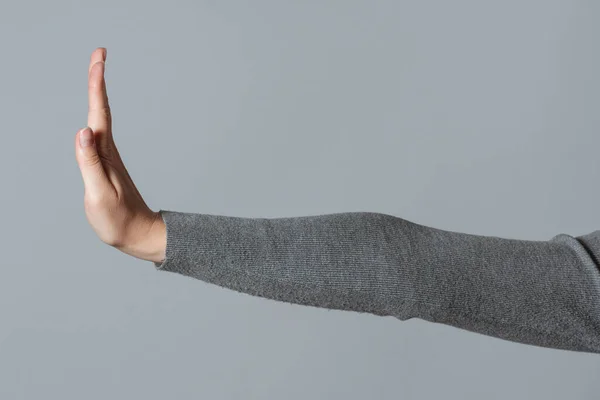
(545,293)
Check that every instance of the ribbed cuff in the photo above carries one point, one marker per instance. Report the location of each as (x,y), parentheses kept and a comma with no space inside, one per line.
(178,239)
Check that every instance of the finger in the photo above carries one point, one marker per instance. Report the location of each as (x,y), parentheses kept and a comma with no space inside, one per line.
(94,176)
(99,116)
(97,55)
(98,107)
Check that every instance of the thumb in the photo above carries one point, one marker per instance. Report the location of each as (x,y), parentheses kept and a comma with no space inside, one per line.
(95,179)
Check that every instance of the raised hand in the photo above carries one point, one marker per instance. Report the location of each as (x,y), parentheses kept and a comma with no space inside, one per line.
(114,207)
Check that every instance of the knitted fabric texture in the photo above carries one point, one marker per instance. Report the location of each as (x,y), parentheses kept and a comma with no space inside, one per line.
(544,293)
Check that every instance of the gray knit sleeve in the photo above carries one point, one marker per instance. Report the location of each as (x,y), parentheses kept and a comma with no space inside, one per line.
(544,293)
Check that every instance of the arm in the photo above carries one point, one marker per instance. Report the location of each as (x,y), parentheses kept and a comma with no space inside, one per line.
(544,293)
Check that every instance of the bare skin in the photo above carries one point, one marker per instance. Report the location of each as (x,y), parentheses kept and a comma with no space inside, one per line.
(113,206)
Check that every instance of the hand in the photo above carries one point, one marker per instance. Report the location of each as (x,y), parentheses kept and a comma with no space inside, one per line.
(113,205)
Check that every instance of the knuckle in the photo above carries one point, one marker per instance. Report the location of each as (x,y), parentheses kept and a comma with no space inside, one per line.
(92,160)
(105,111)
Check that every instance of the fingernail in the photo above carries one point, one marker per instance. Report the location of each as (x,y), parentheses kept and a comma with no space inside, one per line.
(86,138)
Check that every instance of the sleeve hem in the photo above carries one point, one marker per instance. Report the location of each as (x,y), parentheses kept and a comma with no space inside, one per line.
(175,242)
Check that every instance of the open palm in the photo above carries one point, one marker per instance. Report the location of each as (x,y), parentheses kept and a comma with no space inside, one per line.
(114,207)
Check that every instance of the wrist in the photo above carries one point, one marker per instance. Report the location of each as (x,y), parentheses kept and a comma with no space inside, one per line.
(151,240)
(158,239)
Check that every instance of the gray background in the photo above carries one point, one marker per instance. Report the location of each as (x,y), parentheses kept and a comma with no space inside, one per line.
(471,116)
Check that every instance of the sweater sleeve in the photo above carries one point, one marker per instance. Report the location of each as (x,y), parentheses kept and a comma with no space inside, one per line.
(544,293)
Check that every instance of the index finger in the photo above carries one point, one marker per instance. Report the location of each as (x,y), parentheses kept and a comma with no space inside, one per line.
(97,55)
(99,117)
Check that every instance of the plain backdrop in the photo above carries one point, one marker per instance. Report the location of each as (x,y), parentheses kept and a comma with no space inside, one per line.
(471,116)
